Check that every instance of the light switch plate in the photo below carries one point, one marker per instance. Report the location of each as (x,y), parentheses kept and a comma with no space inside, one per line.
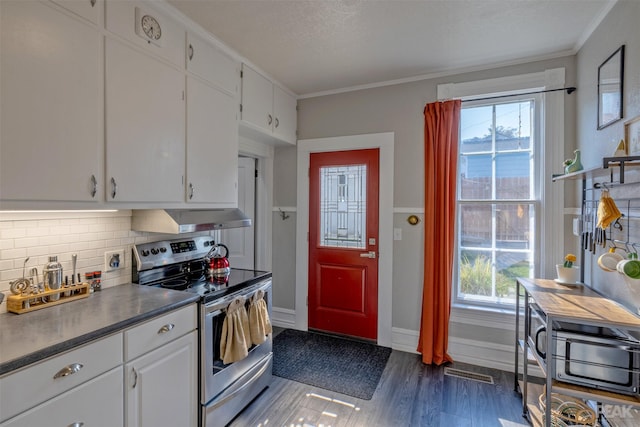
(114,260)
(397,234)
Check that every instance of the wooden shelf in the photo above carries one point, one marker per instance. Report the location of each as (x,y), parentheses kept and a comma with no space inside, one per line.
(588,393)
(578,304)
(604,170)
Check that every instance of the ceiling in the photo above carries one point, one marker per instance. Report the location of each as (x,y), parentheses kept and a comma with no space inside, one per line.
(320,46)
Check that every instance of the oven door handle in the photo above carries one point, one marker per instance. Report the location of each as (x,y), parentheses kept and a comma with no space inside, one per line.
(538,332)
(231,392)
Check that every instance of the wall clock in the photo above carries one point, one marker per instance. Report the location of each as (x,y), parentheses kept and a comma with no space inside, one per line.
(148,27)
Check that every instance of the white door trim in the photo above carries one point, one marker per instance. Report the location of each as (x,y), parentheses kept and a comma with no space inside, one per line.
(385,142)
(264,199)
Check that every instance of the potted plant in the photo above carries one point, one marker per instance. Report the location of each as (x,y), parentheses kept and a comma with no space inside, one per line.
(567,272)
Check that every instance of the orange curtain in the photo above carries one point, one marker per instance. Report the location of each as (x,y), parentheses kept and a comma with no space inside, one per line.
(441,122)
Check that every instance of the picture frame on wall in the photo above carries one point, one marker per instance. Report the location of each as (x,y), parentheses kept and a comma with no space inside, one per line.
(610,87)
(632,136)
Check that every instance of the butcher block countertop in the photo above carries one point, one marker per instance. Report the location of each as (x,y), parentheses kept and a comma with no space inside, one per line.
(31,337)
(578,303)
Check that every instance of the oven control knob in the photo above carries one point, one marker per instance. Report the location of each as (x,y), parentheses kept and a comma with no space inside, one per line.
(154,251)
(145,253)
(163,250)
(212,243)
(206,243)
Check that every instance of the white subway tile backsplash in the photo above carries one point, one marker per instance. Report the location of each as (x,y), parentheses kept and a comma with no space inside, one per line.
(27,242)
(89,235)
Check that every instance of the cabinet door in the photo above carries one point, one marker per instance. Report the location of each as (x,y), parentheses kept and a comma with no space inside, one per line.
(161,387)
(212,145)
(124,18)
(97,403)
(257,99)
(145,127)
(285,115)
(88,9)
(51,105)
(212,64)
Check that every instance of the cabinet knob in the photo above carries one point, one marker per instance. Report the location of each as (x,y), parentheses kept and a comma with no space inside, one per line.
(79,424)
(94,186)
(166,328)
(277,122)
(114,188)
(68,370)
(269,119)
(191,190)
(93,3)
(190,51)
(135,377)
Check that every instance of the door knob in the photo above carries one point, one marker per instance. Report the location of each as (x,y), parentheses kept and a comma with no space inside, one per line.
(370,254)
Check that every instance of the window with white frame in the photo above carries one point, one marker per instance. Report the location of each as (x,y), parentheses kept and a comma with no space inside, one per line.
(498,198)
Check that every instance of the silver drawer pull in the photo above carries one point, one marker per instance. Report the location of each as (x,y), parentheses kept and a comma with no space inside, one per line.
(76,425)
(166,328)
(68,370)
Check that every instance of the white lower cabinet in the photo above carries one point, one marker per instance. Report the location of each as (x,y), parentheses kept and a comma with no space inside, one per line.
(161,386)
(143,376)
(96,403)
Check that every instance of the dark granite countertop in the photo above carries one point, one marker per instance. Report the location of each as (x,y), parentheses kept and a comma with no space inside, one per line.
(31,337)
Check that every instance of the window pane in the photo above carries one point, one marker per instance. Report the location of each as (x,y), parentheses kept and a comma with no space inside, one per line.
(475,177)
(513,175)
(513,126)
(475,273)
(475,226)
(510,265)
(475,129)
(343,214)
(513,222)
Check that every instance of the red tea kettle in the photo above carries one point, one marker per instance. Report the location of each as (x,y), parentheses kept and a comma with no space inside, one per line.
(218,263)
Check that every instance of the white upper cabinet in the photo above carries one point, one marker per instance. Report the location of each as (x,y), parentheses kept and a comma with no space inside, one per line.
(87,9)
(267,110)
(51,138)
(140,23)
(285,115)
(212,145)
(212,64)
(145,127)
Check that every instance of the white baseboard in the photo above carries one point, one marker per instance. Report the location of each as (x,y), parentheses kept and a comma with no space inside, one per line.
(479,353)
(283,317)
(404,340)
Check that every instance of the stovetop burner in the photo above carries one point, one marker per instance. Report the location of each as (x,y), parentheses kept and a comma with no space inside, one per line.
(177,284)
(180,265)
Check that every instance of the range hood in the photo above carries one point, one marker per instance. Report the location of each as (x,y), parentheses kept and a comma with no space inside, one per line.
(178,221)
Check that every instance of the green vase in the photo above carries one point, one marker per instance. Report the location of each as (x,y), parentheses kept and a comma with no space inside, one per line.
(575,165)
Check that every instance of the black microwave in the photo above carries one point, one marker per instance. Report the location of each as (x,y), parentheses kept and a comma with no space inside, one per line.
(593,356)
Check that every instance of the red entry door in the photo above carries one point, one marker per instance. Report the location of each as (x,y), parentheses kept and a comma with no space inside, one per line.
(343,242)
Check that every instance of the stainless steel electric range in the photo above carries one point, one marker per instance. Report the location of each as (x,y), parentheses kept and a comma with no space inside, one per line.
(182,264)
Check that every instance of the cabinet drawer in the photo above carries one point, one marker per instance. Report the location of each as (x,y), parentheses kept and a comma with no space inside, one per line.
(88,9)
(35,384)
(97,403)
(124,18)
(159,331)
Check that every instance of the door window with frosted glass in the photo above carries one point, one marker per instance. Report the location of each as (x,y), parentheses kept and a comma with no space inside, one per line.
(496,201)
(343,196)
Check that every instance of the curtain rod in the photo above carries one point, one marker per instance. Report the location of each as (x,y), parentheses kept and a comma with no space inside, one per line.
(569,90)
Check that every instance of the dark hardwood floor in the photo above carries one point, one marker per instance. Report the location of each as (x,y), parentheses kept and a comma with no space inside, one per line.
(409,394)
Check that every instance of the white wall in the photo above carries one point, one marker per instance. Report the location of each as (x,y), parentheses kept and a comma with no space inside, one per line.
(398,109)
(618,28)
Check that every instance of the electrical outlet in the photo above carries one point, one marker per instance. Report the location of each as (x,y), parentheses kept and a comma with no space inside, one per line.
(113,260)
